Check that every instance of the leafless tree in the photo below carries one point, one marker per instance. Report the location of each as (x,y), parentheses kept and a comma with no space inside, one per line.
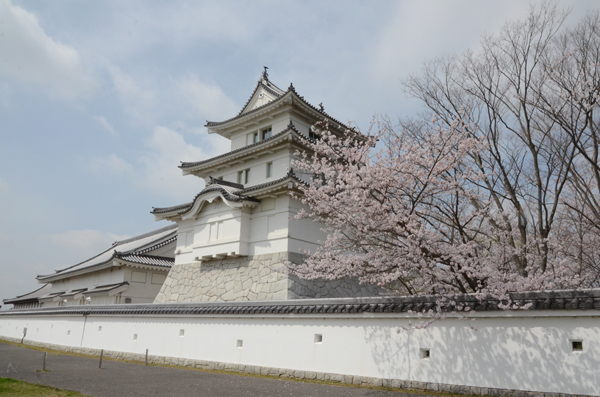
(531,92)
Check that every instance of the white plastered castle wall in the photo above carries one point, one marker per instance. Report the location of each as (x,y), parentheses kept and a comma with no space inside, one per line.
(111,275)
(138,291)
(522,351)
(269,227)
(143,286)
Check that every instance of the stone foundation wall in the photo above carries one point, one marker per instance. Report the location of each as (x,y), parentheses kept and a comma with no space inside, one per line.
(297,374)
(302,289)
(231,279)
(251,278)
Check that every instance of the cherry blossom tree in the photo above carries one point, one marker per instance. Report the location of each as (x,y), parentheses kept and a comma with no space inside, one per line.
(413,217)
(498,193)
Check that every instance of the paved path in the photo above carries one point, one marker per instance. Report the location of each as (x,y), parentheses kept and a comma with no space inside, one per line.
(117,378)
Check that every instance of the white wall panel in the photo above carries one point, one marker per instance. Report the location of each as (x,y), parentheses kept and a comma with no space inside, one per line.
(504,351)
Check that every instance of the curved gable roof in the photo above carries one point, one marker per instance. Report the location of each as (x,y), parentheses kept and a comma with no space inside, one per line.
(230,193)
(145,242)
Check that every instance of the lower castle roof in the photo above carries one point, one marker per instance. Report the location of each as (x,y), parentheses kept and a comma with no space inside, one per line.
(230,191)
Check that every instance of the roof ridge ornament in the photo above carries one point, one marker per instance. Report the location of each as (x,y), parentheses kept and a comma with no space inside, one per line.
(291,87)
(265,74)
(321,107)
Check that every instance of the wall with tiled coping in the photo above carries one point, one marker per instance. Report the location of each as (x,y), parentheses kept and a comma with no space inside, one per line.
(523,352)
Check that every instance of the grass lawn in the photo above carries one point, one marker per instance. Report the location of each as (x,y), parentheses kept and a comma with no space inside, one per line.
(12,387)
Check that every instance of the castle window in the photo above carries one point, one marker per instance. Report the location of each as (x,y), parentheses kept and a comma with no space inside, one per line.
(243,177)
(266,133)
(256,136)
(269,169)
(138,277)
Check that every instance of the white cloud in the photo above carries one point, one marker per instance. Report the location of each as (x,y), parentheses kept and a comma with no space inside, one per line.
(106,125)
(31,56)
(84,243)
(419,31)
(206,101)
(111,163)
(152,101)
(167,149)
(157,169)
(138,102)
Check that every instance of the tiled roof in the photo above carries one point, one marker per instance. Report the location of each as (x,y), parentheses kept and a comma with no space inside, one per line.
(146,259)
(74,292)
(143,243)
(230,191)
(236,196)
(156,246)
(164,210)
(33,295)
(290,127)
(289,175)
(52,295)
(536,300)
(290,89)
(106,287)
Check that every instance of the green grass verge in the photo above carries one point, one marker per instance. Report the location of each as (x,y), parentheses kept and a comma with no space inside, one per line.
(13,388)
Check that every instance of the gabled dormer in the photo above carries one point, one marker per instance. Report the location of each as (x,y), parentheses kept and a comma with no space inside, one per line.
(264,93)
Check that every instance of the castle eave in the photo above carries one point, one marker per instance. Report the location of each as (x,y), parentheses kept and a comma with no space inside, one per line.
(203,168)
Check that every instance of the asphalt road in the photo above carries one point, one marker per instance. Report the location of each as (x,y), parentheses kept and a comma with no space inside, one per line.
(117,378)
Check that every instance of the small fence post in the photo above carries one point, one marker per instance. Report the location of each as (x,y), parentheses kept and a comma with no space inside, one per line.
(101,354)
(146,357)
(44,365)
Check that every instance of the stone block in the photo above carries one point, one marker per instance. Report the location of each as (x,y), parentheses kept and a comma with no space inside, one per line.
(445,387)
(336,377)
(347,379)
(419,385)
(310,375)
(432,386)
(378,382)
(246,284)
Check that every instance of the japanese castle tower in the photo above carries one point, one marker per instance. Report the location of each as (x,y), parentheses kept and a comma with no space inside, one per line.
(234,235)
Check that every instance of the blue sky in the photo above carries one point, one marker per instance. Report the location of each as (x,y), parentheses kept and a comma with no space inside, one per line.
(100,101)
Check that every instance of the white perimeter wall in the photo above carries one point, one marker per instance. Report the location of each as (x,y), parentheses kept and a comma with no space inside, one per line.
(522,352)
